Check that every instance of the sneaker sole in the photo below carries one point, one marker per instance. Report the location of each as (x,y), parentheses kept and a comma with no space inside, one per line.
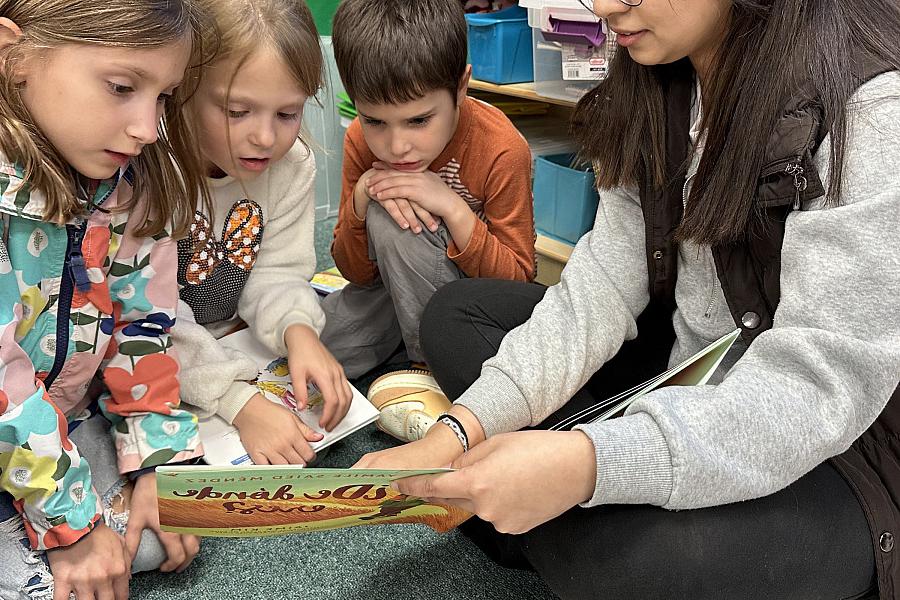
(415,380)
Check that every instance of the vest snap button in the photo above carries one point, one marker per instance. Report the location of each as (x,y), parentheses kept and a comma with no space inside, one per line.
(658,254)
(886,541)
(750,320)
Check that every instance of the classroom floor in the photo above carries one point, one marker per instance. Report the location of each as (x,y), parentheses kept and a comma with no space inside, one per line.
(383,562)
(324,229)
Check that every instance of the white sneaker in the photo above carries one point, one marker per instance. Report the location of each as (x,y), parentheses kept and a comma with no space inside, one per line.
(410,402)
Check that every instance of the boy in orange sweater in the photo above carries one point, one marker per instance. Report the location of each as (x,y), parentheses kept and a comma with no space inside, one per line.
(436,185)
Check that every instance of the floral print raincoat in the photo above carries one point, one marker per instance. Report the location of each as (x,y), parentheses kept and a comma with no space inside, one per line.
(85,313)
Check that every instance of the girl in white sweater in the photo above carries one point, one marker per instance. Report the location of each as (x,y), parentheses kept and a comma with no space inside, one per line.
(250,255)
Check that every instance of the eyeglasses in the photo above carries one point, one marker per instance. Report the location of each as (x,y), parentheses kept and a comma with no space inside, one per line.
(625,2)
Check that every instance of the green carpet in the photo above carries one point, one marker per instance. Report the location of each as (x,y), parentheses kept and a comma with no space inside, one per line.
(381,562)
(324,235)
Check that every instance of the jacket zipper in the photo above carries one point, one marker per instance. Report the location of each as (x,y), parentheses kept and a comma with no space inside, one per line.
(712,289)
(795,170)
(73,274)
(712,301)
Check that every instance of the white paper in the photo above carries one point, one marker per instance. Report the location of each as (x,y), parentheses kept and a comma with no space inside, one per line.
(221,441)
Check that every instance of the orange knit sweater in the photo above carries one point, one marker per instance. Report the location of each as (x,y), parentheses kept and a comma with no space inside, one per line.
(488,163)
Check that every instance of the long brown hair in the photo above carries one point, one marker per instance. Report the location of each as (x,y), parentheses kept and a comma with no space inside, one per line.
(773,49)
(168,171)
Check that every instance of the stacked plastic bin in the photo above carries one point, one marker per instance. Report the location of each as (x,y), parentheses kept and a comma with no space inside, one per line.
(565,197)
(572,47)
(500,46)
(572,50)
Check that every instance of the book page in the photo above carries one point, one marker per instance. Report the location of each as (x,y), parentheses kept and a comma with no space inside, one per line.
(222,442)
(695,370)
(328,281)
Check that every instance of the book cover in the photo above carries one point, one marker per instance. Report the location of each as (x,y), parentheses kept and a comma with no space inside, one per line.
(695,370)
(222,442)
(274,500)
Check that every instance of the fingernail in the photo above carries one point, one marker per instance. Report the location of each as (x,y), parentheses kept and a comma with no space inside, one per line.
(405,226)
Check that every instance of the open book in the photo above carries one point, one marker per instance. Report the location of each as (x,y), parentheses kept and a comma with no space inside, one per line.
(327,281)
(247,501)
(221,441)
(273,500)
(695,370)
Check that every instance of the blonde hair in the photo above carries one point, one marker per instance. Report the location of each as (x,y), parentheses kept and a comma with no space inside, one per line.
(286,26)
(171,166)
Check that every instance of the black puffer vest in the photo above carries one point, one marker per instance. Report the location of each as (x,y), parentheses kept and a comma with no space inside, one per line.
(749,272)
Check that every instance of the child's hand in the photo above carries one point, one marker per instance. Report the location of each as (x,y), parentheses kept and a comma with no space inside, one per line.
(144,514)
(425,193)
(309,360)
(96,566)
(361,199)
(273,435)
(361,195)
(406,214)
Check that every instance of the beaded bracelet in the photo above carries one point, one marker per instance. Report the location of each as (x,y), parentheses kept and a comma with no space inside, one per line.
(456,427)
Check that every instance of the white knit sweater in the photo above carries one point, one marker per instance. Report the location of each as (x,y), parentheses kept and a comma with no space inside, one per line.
(277,293)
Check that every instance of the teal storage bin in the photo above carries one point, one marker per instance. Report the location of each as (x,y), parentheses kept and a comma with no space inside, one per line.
(565,199)
(500,46)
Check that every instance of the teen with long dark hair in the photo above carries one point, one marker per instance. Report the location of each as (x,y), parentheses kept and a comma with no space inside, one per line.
(747,154)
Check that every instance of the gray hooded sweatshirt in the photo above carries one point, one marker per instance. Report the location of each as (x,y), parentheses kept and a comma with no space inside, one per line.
(800,394)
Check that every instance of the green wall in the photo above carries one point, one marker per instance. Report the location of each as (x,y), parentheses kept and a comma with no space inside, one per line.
(323,12)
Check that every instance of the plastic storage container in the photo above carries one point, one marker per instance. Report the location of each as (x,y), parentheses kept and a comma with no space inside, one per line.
(548,72)
(322,122)
(565,199)
(501,47)
(539,12)
(566,71)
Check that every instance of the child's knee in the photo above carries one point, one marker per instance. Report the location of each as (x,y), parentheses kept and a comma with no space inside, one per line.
(150,555)
(389,240)
(37,585)
(380,225)
(24,572)
(117,509)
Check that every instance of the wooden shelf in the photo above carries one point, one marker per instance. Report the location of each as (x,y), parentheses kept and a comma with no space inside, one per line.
(552,256)
(517,90)
(553,249)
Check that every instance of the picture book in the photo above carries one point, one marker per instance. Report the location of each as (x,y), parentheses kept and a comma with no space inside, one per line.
(695,370)
(327,281)
(273,500)
(221,441)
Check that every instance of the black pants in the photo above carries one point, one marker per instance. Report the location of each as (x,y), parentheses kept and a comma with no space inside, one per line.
(810,540)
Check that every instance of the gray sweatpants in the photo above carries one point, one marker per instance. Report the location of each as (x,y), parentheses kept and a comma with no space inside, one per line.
(364,325)
(24,574)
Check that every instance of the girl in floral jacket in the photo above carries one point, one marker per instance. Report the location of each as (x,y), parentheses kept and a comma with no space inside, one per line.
(88,288)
